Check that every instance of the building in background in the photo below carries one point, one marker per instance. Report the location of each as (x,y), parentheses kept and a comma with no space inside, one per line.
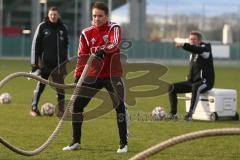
(143,22)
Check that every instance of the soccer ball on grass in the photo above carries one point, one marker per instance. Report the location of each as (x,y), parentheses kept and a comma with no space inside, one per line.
(158,113)
(5,98)
(47,109)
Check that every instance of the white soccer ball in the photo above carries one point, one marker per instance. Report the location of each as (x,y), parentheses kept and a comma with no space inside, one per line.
(158,113)
(47,109)
(5,98)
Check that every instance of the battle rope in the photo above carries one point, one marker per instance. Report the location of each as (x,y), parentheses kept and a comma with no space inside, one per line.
(147,153)
(183,138)
(25,74)
(61,122)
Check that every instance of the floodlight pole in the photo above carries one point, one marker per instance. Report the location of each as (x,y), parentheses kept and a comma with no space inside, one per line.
(36,15)
(75,24)
(85,13)
(1,25)
(110,9)
(23,44)
(45,10)
(137,19)
(44,3)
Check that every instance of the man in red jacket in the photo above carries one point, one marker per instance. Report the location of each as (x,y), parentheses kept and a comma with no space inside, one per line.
(103,39)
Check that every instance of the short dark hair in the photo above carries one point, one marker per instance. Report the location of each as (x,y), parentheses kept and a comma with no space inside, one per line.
(101,6)
(53,9)
(196,33)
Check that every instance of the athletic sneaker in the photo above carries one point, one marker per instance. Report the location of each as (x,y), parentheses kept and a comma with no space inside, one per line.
(188,117)
(71,147)
(171,116)
(35,113)
(122,149)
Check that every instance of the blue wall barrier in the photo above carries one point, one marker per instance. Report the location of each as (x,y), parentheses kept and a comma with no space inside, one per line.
(21,47)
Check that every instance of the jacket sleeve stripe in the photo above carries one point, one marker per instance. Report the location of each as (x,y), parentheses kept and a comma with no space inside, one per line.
(116,38)
(33,49)
(84,35)
(79,45)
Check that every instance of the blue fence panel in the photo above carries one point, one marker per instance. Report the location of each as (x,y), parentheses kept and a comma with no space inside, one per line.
(155,50)
(21,47)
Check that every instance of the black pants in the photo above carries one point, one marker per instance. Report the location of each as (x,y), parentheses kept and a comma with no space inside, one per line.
(57,78)
(186,87)
(115,88)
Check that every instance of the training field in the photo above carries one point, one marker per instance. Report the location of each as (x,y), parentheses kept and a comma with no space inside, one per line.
(100,135)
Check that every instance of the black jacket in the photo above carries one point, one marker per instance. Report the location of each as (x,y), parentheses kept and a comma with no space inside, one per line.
(201,63)
(50,45)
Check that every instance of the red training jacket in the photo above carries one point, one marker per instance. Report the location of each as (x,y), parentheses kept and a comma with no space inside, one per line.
(108,37)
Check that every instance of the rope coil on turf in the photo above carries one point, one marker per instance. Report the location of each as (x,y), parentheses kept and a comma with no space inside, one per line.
(61,122)
(183,138)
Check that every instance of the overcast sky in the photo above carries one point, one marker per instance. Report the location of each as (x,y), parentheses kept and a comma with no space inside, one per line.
(189,7)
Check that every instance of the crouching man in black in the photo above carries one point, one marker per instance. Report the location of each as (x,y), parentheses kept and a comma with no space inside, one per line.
(201,74)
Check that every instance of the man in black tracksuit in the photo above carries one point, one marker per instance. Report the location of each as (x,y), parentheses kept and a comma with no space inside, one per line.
(49,50)
(201,75)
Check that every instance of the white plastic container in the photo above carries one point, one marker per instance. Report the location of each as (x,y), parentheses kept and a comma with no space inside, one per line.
(215,104)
